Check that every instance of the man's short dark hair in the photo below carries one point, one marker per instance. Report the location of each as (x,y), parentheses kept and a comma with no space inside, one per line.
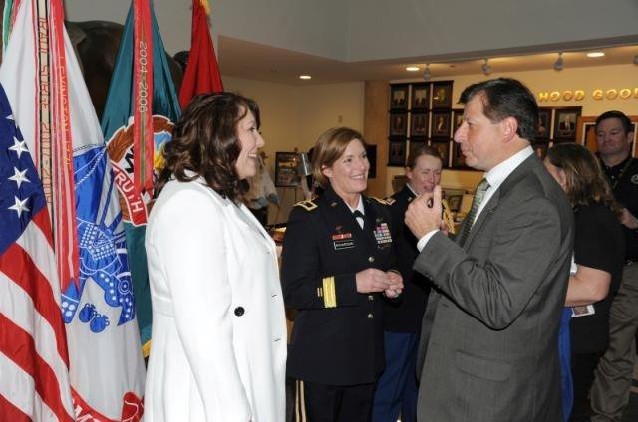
(615,114)
(506,97)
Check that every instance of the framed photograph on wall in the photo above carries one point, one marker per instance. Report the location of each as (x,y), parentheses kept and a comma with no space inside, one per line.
(419,125)
(420,96)
(565,121)
(399,96)
(443,147)
(286,169)
(441,124)
(396,152)
(398,124)
(544,128)
(442,95)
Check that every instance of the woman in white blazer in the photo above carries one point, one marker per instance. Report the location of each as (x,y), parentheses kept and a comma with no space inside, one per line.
(219,331)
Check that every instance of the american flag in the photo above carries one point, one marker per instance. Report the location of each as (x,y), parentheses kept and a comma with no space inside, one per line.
(34,362)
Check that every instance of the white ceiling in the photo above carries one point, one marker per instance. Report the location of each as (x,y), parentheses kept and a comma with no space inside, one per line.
(247,60)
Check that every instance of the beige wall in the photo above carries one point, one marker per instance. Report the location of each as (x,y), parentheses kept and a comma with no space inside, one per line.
(293,117)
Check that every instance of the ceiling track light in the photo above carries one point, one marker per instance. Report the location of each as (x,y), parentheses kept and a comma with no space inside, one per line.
(427,75)
(486,68)
(558,64)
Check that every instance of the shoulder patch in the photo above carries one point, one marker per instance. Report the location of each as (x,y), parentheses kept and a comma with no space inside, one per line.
(390,200)
(307,205)
(379,200)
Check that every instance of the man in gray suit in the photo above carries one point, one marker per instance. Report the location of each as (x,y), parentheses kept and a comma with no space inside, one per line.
(491,329)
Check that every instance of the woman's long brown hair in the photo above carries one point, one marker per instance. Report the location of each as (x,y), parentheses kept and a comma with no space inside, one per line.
(205,142)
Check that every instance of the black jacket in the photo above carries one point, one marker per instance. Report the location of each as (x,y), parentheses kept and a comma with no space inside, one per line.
(337,336)
(406,313)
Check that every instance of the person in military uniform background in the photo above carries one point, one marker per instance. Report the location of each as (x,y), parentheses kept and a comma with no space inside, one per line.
(610,391)
(397,389)
(338,262)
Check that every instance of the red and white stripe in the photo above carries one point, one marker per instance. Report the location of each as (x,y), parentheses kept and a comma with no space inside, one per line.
(34,368)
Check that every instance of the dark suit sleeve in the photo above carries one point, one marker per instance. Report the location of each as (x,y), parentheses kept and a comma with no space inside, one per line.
(304,284)
(519,253)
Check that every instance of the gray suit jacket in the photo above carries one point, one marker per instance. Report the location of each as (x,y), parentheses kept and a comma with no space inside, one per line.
(493,325)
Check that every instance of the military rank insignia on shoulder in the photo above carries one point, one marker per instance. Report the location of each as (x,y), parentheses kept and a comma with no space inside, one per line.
(390,200)
(380,201)
(307,205)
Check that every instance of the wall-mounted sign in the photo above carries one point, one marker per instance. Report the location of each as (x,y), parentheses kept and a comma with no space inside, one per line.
(579,95)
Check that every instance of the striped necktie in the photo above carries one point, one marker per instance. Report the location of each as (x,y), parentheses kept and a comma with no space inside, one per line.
(482,187)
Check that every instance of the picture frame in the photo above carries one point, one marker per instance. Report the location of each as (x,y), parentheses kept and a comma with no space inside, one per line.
(454,202)
(565,123)
(399,95)
(396,152)
(419,123)
(398,124)
(544,128)
(443,147)
(442,95)
(421,96)
(286,169)
(457,119)
(441,124)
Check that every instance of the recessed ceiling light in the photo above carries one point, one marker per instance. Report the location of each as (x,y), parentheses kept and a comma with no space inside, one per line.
(305,77)
(412,68)
(596,54)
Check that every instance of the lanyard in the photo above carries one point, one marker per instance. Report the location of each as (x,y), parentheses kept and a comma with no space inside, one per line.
(621,173)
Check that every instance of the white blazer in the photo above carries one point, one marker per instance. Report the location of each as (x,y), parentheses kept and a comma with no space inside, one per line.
(219,330)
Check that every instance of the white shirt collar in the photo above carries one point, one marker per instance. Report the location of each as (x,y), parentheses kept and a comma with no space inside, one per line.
(359,206)
(499,172)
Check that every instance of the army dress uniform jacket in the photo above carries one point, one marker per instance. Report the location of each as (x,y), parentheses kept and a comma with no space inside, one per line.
(406,313)
(337,336)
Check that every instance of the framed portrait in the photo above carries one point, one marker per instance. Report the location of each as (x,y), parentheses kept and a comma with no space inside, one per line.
(420,96)
(441,124)
(419,125)
(540,148)
(565,121)
(588,135)
(442,95)
(458,159)
(458,119)
(544,128)
(286,169)
(443,147)
(454,202)
(398,124)
(399,96)
(397,151)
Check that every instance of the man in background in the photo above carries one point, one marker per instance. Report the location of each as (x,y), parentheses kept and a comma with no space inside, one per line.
(610,391)
(491,325)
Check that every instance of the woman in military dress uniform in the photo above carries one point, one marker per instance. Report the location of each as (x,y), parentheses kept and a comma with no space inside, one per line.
(337,264)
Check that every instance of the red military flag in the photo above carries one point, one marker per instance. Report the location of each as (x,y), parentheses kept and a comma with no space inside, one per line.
(202,73)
